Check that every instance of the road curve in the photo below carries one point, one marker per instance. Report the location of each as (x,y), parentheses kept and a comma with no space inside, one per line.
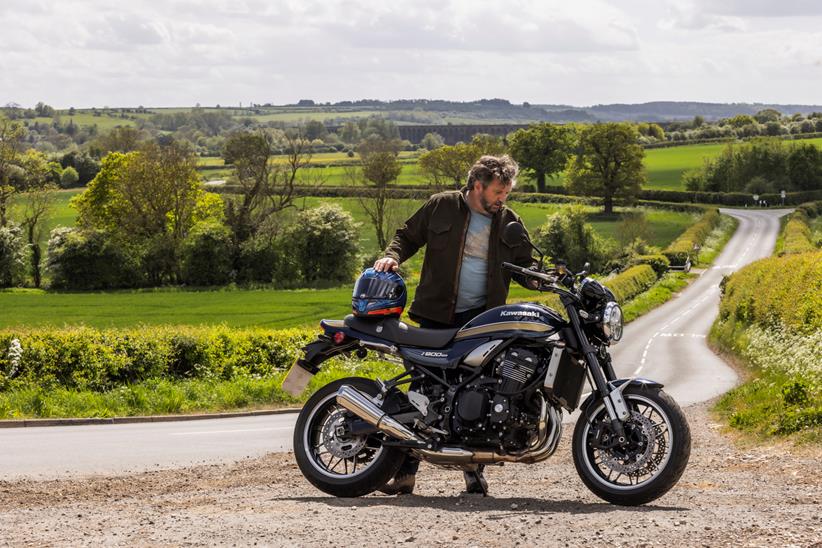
(667,345)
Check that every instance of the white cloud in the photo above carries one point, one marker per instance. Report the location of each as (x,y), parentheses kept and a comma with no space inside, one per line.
(179,52)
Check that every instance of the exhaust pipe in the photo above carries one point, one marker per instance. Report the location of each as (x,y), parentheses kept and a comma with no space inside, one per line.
(362,406)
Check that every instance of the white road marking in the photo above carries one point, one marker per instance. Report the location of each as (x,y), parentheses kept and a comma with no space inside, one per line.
(206,432)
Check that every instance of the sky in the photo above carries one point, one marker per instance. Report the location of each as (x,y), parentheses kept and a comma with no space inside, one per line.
(85,53)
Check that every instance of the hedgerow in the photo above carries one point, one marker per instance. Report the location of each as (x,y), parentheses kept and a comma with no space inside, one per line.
(100,359)
(632,282)
(684,246)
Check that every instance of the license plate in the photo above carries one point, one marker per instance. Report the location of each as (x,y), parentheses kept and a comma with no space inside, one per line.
(296,380)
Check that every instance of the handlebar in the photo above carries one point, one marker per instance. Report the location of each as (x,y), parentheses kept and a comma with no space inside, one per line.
(528,272)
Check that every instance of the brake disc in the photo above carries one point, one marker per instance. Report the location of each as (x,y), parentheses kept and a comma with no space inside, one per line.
(336,439)
(635,461)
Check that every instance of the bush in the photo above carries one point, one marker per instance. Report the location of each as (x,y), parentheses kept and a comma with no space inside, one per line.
(89,259)
(12,256)
(567,236)
(324,245)
(84,358)
(681,249)
(69,177)
(797,234)
(631,283)
(207,255)
(777,290)
(659,263)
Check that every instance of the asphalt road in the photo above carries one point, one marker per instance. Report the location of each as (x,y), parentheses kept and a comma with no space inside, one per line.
(667,345)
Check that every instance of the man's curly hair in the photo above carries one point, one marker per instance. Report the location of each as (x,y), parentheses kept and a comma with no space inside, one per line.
(489,168)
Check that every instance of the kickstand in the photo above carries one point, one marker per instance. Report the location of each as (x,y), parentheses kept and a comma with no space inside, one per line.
(482,485)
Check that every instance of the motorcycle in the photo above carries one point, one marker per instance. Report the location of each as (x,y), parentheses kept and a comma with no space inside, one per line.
(492,391)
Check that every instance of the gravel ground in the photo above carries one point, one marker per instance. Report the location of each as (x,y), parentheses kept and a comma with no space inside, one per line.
(729,496)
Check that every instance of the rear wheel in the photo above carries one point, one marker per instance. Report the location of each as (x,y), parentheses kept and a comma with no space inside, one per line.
(332,458)
(647,463)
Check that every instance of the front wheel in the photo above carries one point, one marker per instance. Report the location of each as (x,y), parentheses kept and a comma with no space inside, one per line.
(332,458)
(650,459)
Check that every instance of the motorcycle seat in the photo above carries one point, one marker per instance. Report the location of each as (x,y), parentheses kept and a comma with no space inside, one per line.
(392,329)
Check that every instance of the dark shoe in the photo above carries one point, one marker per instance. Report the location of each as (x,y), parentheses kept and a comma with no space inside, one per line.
(402,484)
(475,482)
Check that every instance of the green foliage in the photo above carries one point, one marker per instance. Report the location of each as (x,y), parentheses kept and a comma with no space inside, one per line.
(84,358)
(796,236)
(608,163)
(658,294)
(324,245)
(542,149)
(69,177)
(685,245)
(632,282)
(89,259)
(658,262)
(207,255)
(777,290)
(12,255)
(567,236)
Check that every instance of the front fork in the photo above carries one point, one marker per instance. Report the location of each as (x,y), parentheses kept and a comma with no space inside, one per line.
(613,398)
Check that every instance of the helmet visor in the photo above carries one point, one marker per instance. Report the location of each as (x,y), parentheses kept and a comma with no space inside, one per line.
(375,288)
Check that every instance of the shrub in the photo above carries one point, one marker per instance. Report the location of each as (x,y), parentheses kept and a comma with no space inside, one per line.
(631,283)
(89,259)
(69,177)
(797,234)
(84,358)
(567,236)
(324,245)
(683,247)
(777,290)
(207,255)
(12,255)
(658,262)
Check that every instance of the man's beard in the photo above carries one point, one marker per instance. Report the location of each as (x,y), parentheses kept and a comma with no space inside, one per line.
(488,206)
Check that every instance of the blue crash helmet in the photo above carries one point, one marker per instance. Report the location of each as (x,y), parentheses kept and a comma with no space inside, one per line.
(379,294)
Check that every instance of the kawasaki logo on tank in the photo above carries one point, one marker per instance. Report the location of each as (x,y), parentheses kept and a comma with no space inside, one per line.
(528,313)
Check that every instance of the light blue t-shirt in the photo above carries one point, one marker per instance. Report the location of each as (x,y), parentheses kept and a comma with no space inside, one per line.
(473,273)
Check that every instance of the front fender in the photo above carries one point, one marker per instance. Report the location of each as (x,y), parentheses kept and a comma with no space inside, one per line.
(642,383)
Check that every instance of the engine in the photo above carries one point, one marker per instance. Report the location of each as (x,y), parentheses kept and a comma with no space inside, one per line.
(500,410)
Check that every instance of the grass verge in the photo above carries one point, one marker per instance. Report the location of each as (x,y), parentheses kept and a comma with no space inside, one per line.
(782,395)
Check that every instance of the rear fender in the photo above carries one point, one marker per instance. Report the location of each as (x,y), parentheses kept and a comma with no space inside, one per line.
(315,353)
(590,402)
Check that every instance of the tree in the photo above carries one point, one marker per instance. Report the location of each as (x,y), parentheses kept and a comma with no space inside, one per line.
(568,237)
(608,163)
(264,188)
(379,166)
(430,141)
(38,199)
(767,115)
(120,139)
(447,166)
(324,245)
(11,137)
(542,149)
(12,255)
(69,177)
(805,167)
(148,199)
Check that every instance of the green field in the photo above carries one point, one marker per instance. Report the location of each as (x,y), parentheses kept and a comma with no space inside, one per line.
(664,166)
(265,307)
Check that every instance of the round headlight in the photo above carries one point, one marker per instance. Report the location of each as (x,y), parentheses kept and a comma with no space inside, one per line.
(612,321)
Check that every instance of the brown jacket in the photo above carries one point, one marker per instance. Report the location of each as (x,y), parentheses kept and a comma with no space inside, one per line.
(441,225)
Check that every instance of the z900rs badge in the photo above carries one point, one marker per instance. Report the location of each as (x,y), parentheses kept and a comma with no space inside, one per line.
(435,355)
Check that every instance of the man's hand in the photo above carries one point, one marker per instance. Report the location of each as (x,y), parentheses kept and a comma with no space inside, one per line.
(386,264)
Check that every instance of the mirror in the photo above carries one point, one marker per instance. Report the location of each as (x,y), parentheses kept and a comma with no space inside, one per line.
(514,234)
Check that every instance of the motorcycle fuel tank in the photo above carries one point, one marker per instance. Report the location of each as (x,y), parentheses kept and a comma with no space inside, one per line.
(521,319)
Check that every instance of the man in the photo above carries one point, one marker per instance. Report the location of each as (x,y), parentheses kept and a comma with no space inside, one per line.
(462,273)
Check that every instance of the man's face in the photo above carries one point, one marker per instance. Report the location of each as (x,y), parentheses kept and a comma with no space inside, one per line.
(492,197)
